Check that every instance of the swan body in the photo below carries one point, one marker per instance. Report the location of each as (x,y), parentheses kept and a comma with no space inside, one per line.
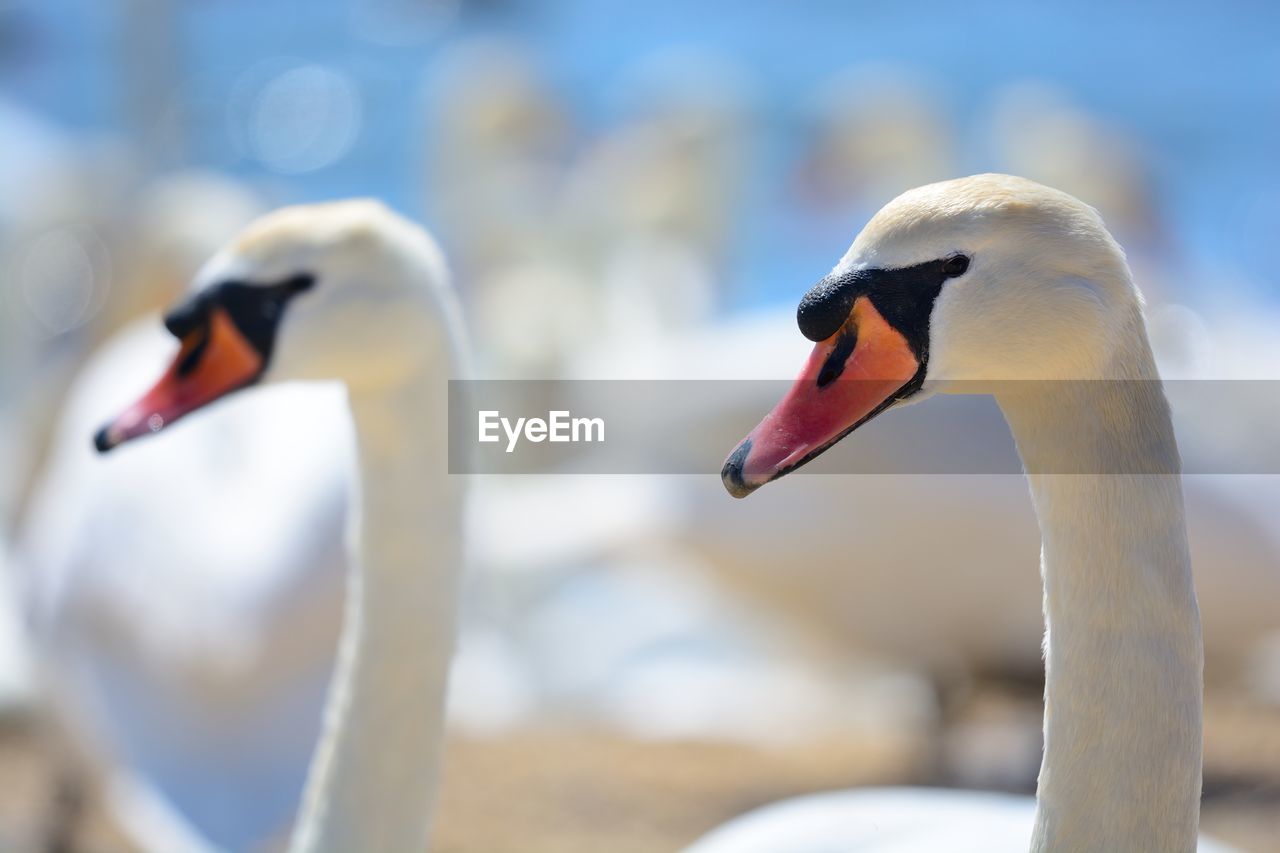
(350,292)
(886,820)
(998,285)
(239,570)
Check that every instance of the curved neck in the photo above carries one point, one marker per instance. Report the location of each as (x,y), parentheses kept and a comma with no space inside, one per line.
(1123,658)
(374,775)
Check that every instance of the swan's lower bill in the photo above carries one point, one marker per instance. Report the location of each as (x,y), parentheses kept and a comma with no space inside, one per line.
(214,359)
(850,378)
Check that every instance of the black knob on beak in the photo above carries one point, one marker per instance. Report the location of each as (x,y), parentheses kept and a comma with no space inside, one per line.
(187,317)
(826,306)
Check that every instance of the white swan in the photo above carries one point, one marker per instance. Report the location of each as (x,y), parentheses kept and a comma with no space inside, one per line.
(997,284)
(349,291)
(228,534)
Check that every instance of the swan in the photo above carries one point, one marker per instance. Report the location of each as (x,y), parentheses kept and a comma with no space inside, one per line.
(97,270)
(350,291)
(995,284)
(243,615)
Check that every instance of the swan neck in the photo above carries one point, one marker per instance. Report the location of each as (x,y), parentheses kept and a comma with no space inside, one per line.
(1123,655)
(374,776)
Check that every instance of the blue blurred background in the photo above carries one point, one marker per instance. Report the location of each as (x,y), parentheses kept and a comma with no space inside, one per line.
(1191,92)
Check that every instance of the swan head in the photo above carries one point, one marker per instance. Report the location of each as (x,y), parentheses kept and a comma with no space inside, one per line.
(952,286)
(332,291)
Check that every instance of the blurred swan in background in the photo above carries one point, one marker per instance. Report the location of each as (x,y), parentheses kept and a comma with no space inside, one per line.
(393,338)
(56,271)
(15,661)
(935,291)
(501,143)
(871,129)
(780,550)
(564,238)
(1036,128)
(651,204)
(77,270)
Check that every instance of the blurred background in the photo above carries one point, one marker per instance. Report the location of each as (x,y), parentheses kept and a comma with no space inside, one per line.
(637,190)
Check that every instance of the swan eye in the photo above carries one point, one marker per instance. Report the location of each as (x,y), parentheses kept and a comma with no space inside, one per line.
(955,266)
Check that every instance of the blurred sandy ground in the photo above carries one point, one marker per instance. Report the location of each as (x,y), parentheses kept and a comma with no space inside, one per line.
(574,790)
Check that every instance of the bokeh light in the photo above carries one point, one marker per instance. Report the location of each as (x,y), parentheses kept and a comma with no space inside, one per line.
(65,276)
(295,119)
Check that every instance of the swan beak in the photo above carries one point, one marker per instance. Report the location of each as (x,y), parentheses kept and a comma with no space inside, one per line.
(850,378)
(214,360)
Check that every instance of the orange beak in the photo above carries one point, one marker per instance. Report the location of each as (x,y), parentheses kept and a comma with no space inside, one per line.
(214,360)
(850,377)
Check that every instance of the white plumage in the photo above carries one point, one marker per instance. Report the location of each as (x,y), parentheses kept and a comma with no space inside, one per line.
(1044,316)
